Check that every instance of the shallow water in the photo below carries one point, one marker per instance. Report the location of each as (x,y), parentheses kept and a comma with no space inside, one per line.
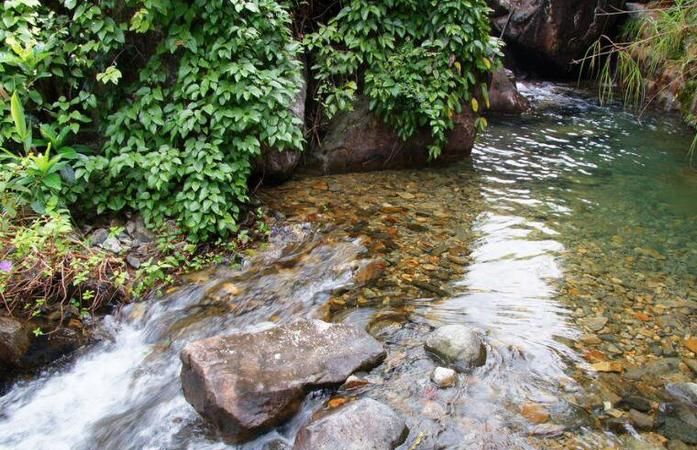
(570,213)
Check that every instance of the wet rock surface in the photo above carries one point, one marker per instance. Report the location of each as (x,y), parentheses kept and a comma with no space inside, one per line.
(358,141)
(246,383)
(365,424)
(458,346)
(504,96)
(552,32)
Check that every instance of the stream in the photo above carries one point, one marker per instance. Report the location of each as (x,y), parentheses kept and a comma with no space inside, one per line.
(569,240)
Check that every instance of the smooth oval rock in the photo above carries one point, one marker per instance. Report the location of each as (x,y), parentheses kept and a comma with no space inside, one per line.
(458,346)
(365,424)
(246,383)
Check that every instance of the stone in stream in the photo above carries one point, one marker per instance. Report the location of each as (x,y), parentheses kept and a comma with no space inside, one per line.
(246,383)
(14,341)
(678,419)
(365,424)
(504,97)
(458,346)
(443,377)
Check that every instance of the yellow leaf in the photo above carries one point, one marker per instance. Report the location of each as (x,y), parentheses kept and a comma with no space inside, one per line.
(458,66)
(475,104)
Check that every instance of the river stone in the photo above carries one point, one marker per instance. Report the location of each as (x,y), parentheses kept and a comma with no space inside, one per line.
(246,383)
(594,323)
(458,346)
(678,421)
(14,341)
(443,377)
(365,424)
(685,392)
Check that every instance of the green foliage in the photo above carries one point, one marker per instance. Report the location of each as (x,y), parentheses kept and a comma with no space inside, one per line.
(182,145)
(418,61)
(658,52)
(37,179)
(209,86)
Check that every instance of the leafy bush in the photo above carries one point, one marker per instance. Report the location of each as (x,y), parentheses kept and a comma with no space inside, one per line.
(417,60)
(182,145)
(209,86)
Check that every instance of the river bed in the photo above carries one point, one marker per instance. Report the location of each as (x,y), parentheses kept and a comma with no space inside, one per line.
(568,240)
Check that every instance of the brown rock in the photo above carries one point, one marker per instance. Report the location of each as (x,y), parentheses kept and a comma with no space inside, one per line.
(608,366)
(370,271)
(691,344)
(554,32)
(504,97)
(247,383)
(358,141)
(535,413)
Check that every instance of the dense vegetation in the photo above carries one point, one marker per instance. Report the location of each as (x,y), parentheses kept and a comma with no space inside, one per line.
(161,108)
(655,56)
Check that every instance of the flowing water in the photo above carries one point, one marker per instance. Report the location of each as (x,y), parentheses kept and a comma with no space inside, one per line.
(568,240)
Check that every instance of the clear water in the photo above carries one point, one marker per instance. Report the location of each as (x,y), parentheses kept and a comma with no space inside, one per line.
(523,241)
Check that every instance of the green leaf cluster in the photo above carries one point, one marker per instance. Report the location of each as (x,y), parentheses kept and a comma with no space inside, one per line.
(418,61)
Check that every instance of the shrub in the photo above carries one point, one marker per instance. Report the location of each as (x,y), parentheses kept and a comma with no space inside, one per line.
(417,60)
(218,88)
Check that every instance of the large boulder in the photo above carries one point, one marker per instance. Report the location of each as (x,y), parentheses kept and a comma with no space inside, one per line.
(15,340)
(552,33)
(365,424)
(504,97)
(247,383)
(458,346)
(358,141)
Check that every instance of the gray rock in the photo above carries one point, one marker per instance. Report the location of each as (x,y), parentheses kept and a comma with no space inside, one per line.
(246,383)
(98,237)
(361,425)
(678,421)
(640,420)
(635,402)
(138,231)
(552,33)
(15,339)
(653,369)
(683,392)
(133,261)
(594,323)
(458,346)
(112,244)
